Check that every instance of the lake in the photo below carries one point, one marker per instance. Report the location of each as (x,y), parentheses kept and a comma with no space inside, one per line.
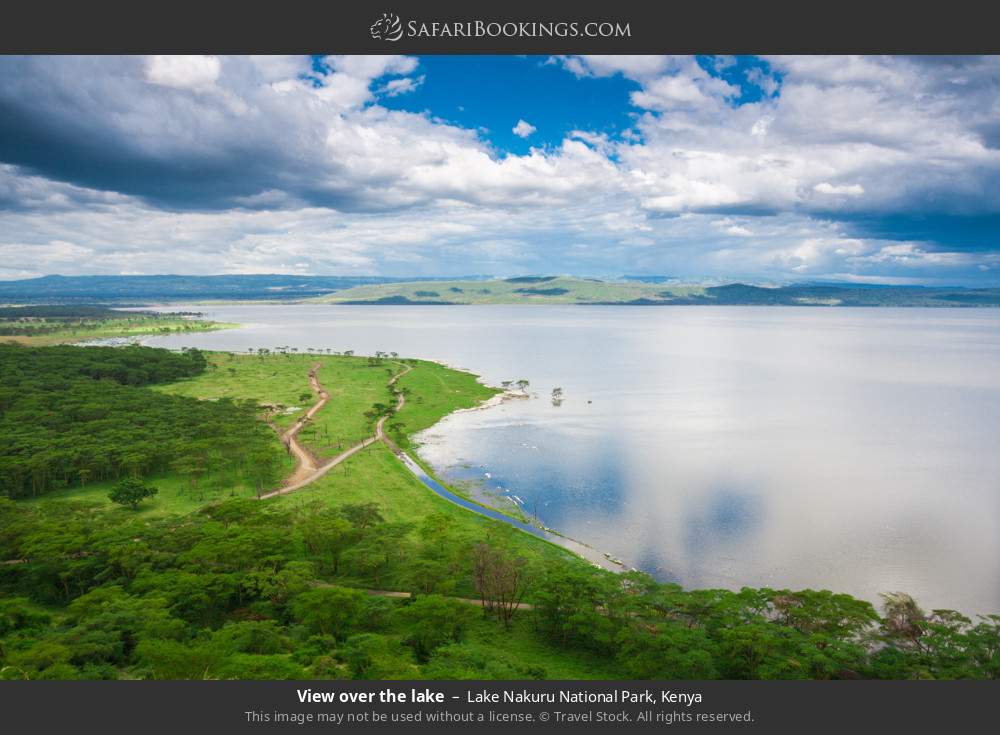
(848,449)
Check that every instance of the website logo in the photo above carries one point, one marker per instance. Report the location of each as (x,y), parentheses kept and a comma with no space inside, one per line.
(387,28)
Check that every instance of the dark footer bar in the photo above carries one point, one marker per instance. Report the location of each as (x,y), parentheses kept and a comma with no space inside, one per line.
(229,706)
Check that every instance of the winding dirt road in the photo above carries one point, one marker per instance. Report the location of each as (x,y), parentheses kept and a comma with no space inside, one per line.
(307,468)
(306,464)
(379,433)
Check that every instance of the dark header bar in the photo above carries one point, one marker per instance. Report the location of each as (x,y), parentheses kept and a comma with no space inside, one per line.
(514,26)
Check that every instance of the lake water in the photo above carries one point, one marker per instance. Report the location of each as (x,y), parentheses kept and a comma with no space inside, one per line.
(849,449)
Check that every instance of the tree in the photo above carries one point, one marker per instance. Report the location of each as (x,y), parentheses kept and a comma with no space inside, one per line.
(666,652)
(433,621)
(329,610)
(327,537)
(522,385)
(501,581)
(371,656)
(903,622)
(398,431)
(131,491)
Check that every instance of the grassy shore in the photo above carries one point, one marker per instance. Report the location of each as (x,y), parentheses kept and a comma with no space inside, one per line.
(355,384)
(118,328)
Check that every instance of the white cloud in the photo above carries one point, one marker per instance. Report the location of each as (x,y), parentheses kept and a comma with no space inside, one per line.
(767,82)
(759,128)
(349,83)
(523,129)
(403,85)
(852,190)
(197,73)
(634,67)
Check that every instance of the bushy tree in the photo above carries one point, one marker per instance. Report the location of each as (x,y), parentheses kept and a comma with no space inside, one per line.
(433,621)
(131,491)
(328,610)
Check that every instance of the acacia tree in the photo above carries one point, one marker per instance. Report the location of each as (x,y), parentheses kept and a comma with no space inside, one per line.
(501,581)
(131,491)
(904,620)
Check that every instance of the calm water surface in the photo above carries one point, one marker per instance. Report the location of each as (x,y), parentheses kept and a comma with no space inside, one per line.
(849,449)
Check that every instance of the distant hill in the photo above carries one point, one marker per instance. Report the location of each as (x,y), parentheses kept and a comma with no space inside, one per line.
(145,289)
(569,290)
(375,290)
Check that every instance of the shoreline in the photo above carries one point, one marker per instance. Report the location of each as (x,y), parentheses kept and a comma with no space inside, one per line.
(426,473)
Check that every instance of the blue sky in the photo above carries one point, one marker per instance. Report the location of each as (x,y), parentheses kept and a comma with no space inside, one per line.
(707,169)
(492,93)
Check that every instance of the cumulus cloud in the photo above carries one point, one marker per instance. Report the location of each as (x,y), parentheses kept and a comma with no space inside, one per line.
(403,85)
(853,190)
(523,129)
(183,72)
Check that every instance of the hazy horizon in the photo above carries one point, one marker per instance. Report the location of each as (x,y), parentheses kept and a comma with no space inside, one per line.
(647,277)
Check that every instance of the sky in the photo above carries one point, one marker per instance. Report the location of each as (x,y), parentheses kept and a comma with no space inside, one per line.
(705,169)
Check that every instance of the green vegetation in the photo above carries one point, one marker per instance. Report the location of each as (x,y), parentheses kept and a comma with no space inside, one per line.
(131,491)
(571,290)
(522,290)
(358,388)
(433,391)
(71,416)
(221,585)
(49,325)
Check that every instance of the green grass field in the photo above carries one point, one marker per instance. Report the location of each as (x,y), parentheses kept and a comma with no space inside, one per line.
(543,290)
(277,380)
(354,385)
(433,391)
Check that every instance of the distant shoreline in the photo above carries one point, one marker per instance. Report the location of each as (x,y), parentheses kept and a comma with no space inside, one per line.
(133,291)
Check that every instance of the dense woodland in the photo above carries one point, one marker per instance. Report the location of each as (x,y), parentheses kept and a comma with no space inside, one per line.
(278,590)
(244,589)
(69,416)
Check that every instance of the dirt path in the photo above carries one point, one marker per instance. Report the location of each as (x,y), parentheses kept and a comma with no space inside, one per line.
(470,600)
(306,464)
(308,469)
(379,433)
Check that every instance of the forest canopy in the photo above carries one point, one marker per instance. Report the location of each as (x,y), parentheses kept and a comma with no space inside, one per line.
(72,415)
